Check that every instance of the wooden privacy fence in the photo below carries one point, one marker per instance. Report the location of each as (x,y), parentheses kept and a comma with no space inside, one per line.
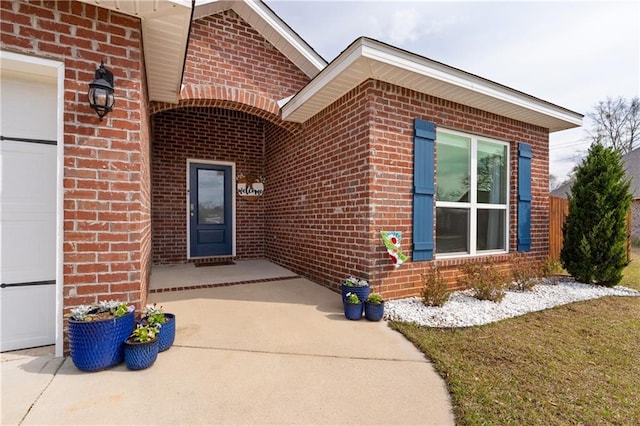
(558,210)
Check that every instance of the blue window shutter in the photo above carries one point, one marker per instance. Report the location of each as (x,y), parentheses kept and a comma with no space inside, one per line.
(423,189)
(524,197)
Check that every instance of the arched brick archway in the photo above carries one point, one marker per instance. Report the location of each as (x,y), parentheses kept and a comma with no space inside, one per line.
(228,98)
(209,125)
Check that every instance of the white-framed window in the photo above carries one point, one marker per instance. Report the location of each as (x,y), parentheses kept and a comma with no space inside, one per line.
(472,194)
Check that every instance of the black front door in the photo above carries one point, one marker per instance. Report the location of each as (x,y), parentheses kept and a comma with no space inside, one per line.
(211,221)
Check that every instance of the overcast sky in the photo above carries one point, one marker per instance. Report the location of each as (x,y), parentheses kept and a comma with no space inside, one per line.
(572,54)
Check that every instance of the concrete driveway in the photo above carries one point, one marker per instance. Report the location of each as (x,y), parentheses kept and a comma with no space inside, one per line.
(276,352)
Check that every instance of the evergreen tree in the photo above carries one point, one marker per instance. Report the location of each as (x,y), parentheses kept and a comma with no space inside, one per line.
(595,230)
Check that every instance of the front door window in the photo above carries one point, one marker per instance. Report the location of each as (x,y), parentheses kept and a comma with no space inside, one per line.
(210,210)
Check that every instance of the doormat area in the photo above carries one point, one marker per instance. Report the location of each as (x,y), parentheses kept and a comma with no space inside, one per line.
(214,263)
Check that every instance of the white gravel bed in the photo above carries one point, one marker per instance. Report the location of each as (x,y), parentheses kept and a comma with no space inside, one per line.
(463,310)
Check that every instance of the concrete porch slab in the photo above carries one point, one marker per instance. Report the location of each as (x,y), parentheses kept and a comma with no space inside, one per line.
(187,275)
(277,352)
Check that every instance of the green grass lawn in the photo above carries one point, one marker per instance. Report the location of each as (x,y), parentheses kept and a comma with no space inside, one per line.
(631,276)
(574,364)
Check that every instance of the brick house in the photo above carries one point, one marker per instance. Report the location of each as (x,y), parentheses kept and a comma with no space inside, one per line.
(225,91)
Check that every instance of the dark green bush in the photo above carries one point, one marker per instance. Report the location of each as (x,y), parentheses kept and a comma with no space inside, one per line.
(595,230)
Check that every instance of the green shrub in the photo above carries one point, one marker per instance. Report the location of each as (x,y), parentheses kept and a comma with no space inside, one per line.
(526,271)
(595,230)
(435,291)
(484,279)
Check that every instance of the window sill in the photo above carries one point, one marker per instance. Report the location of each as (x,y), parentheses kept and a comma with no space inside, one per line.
(456,260)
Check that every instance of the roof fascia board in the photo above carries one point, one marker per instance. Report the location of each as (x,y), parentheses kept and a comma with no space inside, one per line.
(334,69)
(426,67)
(245,7)
(285,32)
(379,52)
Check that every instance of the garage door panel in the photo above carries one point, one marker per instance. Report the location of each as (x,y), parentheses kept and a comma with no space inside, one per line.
(28,206)
(28,212)
(27,104)
(27,176)
(40,326)
(28,248)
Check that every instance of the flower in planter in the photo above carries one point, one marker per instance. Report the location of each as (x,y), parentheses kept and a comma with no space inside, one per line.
(374,299)
(141,347)
(97,334)
(143,333)
(374,307)
(164,323)
(103,310)
(154,315)
(352,298)
(356,282)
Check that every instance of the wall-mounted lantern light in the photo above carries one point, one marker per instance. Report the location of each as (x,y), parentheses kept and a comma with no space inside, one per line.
(101,91)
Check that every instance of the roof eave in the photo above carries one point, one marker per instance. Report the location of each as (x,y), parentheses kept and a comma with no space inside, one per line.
(165,34)
(370,59)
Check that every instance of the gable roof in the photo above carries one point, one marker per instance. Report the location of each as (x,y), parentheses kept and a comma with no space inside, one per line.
(366,58)
(271,27)
(631,165)
(165,34)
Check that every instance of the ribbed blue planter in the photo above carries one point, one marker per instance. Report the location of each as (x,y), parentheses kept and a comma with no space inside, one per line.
(353,311)
(96,345)
(167,333)
(141,355)
(373,312)
(362,292)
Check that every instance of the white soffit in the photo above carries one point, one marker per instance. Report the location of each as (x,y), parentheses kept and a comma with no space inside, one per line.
(165,32)
(271,27)
(370,59)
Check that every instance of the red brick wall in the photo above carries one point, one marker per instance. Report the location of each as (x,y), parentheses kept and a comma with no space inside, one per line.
(353,175)
(230,68)
(203,134)
(225,52)
(318,217)
(392,140)
(106,211)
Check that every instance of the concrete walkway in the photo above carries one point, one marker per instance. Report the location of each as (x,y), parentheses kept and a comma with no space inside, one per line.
(265,353)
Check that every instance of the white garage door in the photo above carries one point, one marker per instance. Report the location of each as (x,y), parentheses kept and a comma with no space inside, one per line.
(28,104)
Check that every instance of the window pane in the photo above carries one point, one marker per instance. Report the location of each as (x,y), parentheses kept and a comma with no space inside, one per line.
(210,197)
(492,173)
(453,170)
(452,230)
(491,228)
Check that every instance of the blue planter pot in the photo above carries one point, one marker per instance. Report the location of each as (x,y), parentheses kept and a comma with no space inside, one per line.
(167,333)
(362,292)
(96,345)
(353,311)
(141,355)
(373,312)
